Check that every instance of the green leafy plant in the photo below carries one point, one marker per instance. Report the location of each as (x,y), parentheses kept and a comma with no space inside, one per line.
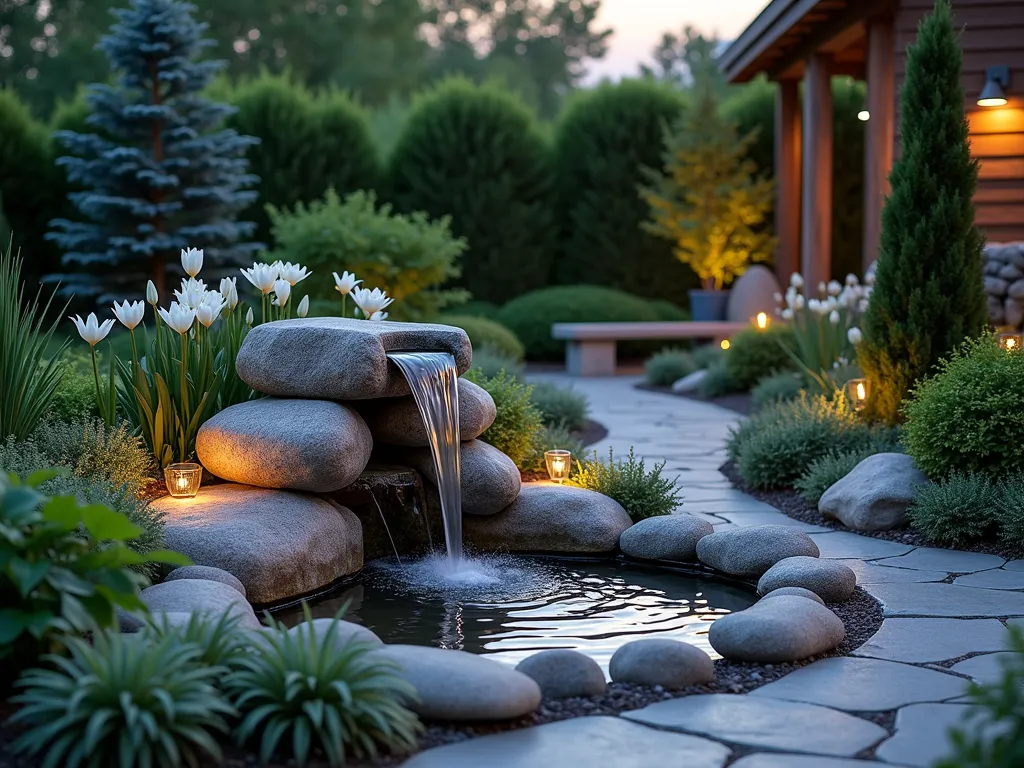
(301,687)
(489,362)
(560,405)
(777,388)
(74,397)
(219,639)
(969,416)
(716,381)
(754,354)
(518,422)
(707,355)
(65,567)
(956,510)
(484,332)
(825,471)
(1011,510)
(551,438)
(119,701)
(641,493)
(668,366)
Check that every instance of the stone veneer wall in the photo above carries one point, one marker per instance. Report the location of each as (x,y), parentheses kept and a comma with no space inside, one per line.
(1004,283)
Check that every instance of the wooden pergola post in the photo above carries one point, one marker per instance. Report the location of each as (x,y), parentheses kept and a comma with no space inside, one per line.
(787,179)
(816,224)
(879,131)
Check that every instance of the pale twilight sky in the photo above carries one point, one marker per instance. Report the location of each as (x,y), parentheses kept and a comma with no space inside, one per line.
(639,24)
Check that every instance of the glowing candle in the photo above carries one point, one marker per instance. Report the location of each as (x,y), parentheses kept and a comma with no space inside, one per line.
(559,464)
(183,480)
(858,391)
(1010,341)
(762,320)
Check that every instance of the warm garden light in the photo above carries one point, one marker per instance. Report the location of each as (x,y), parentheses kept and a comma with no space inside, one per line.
(994,93)
(559,463)
(762,320)
(863,115)
(858,391)
(183,480)
(1010,341)
(725,344)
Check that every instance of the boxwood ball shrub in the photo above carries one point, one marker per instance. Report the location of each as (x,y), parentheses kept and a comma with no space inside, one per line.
(754,354)
(489,362)
(668,366)
(641,492)
(958,509)
(476,154)
(484,332)
(560,405)
(518,423)
(969,416)
(777,388)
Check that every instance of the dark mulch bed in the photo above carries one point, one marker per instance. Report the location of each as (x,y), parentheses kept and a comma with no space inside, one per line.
(792,504)
(739,402)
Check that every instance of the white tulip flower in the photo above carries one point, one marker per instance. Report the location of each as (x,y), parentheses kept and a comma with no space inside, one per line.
(798,302)
(834,287)
(833,317)
(191,293)
(851,280)
(371,301)
(787,314)
(209,308)
(293,273)
(778,297)
(303,309)
(91,329)
(130,315)
(796,280)
(346,283)
(378,316)
(229,290)
(814,305)
(178,317)
(192,260)
(854,336)
(862,306)
(822,287)
(831,303)
(249,317)
(262,276)
(282,290)
(152,297)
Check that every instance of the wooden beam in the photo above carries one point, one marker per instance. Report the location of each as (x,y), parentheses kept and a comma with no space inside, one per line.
(879,132)
(816,224)
(787,179)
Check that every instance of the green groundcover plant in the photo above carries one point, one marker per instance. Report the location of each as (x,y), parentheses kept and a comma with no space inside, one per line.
(560,405)
(777,388)
(666,367)
(642,493)
(518,424)
(956,510)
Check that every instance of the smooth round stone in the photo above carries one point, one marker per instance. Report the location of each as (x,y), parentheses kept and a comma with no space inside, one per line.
(345,633)
(397,421)
(794,592)
(876,495)
(461,687)
(666,537)
(279,544)
(563,674)
(778,629)
(338,358)
(830,580)
(658,661)
(210,598)
(305,445)
(208,573)
(753,550)
(550,518)
(489,479)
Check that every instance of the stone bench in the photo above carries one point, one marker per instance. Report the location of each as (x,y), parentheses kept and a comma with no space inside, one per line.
(590,347)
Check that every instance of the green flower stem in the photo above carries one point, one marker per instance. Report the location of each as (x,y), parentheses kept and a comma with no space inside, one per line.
(96,377)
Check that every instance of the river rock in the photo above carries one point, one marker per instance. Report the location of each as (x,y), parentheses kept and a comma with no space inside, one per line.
(562,673)
(305,445)
(830,580)
(184,597)
(689,383)
(206,572)
(279,544)
(336,358)
(753,550)
(876,495)
(346,632)
(550,518)
(1013,311)
(660,661)
(784,628)
(490,480)
(462,687)
(397,421)
(996,286)
(794,592)
(754,291)
(666,537)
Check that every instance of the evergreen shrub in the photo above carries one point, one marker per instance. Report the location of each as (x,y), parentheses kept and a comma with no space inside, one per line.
(483,332)
(754,354)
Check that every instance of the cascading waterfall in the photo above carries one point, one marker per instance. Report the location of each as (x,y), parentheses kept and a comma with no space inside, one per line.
(434,382)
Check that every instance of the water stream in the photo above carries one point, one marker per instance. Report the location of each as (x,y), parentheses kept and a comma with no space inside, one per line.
(434,382)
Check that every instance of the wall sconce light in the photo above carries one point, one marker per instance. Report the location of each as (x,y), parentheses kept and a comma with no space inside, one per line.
(857,392)
(863,115)
(762,321)
(559,463)
(183,480)
(1010,341)
(997,80)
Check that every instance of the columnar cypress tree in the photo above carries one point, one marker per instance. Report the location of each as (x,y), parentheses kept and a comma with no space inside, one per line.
(160,174)
(928,294)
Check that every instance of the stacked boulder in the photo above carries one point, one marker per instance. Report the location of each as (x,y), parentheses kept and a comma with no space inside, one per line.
(1004,283)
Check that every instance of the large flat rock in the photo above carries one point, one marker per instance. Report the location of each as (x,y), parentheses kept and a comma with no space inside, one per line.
(306,445)
(279,544)
(778,725)
(876,495)
(397,420)
(752,551)
(594,742)
(946,600)
(777,629)
(335,358)
(927,641)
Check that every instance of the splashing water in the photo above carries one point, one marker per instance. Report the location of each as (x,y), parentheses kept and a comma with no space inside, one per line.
(434,382)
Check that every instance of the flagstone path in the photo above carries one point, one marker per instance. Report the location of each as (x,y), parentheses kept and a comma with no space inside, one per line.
(811,718)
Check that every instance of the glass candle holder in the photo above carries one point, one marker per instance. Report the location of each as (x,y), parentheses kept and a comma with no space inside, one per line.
(858,391)
(762,321)
(1010,341)
(183,480)
(559,463)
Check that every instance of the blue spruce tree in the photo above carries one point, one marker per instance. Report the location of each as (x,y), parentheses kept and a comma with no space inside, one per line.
(159,174)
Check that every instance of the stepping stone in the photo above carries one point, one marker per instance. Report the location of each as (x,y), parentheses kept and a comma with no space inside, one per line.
(922,641)
(550,518)
(207,573)
(594,742)
(397,421)
(987,668)
(830,580)
(869,573)
(863,685)
(770,518)
(666,537)
(660,661)
(752,551)
(1014,565)
(562,673)
(489,479)
(780,725)
(949,560)
(775,760)
(179,599)
(279,544)
(922,734)
(456,686)
(843,544)
(874,496)
(946,600)
(994,579)
(779,629)
(734,507)
(794,592)
(305,445)
(337,358)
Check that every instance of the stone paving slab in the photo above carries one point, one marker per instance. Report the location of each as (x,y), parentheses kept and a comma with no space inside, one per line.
(1014,565)
(868,573)
(594,742)
(774,517)
(736,507)
(843,544)
(949,560)
(984,669)
(783,725)
(945,600)
(921,736)
(863,685)
(923,641)
(776,760)
(993,579)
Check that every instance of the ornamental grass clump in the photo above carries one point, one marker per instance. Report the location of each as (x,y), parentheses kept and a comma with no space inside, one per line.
(957,510)
(642,493)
